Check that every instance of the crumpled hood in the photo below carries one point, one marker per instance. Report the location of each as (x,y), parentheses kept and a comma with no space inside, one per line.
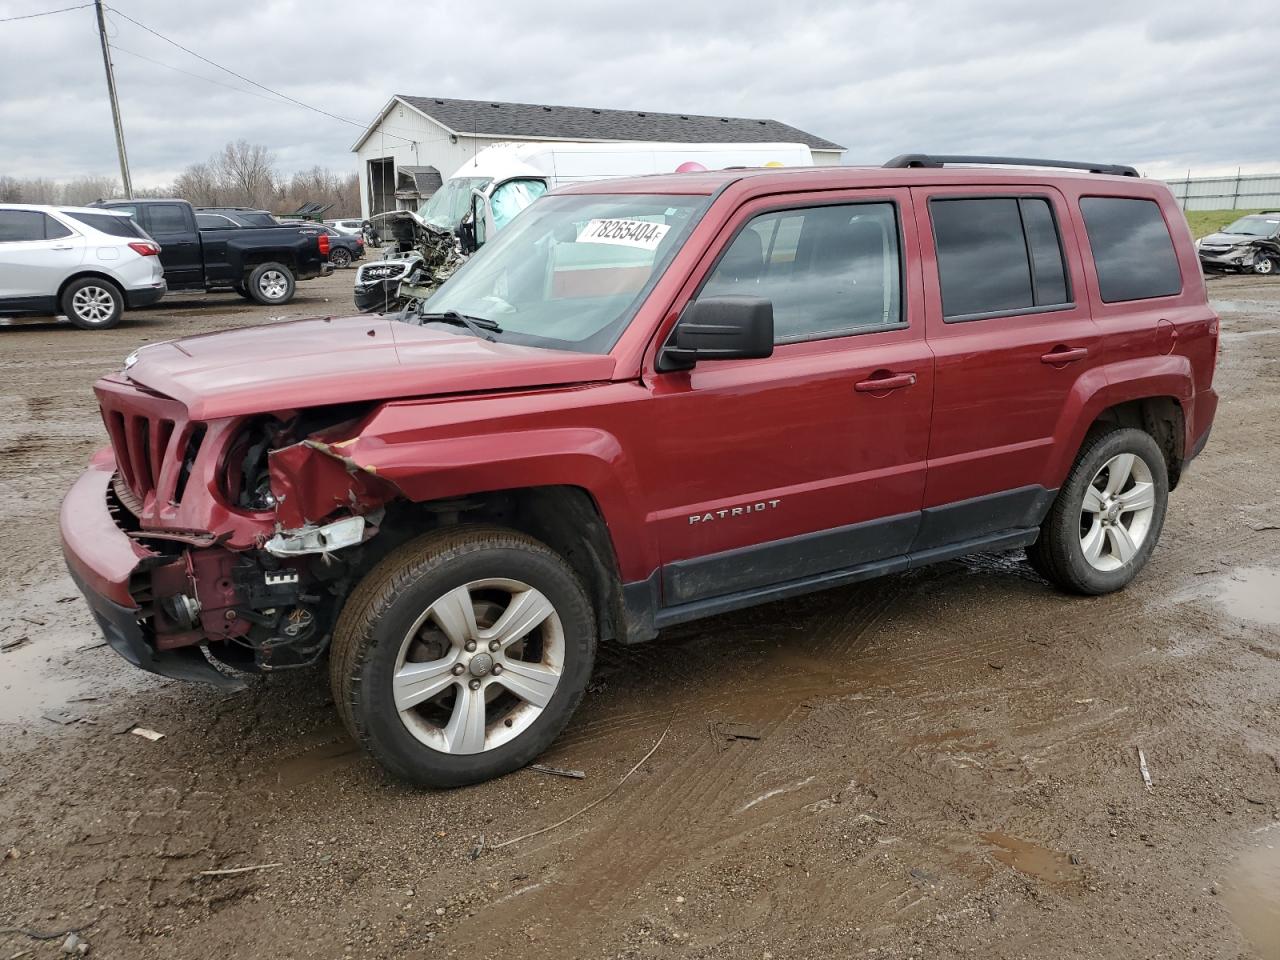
(1227,239)
(307,363)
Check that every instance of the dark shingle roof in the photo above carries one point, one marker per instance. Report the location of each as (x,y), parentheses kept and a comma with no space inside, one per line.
(491,118)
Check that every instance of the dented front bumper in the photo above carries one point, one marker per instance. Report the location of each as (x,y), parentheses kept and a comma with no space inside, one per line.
(103,560)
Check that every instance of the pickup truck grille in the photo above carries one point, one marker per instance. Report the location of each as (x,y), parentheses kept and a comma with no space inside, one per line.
(152,439)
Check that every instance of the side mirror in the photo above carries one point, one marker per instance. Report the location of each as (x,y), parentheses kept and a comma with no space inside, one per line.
(720,328)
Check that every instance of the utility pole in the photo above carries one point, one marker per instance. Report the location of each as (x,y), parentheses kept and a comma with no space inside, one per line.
(115,106)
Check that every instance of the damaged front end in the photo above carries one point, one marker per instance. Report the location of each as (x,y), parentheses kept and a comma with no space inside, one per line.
(241,536)
(418,259)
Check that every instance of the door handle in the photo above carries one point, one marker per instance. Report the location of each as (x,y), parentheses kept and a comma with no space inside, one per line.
(61,246)
(1065,355)
(881,384)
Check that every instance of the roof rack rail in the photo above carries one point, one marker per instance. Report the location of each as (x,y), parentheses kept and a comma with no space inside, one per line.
(938,160)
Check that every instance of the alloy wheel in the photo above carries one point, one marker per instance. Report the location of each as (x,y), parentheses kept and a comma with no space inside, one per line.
(1115,516)
(1263,264)
(93,304)
(479,666)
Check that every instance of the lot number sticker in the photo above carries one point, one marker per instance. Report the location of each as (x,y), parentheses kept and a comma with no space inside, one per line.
(641,234)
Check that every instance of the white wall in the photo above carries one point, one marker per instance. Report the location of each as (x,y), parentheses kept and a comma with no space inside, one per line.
(412,140)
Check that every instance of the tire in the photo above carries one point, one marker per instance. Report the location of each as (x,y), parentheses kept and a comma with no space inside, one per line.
(241,289)
(1264,265)
(92,303)
(1121,540)
(340,257)
(395,618)
(271,284)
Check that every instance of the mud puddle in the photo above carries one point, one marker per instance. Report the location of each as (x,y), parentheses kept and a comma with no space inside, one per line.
(1252,895)
(52,658)
(1252,593)
(328,759)
(1031,858)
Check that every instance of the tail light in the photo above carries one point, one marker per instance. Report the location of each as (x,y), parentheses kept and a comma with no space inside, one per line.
(360,242)
(144,249)
(324,244)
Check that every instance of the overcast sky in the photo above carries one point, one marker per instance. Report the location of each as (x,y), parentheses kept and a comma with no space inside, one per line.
(1165,86)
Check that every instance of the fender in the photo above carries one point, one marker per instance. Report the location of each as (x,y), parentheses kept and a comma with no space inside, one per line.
(1108,385)
(510,457)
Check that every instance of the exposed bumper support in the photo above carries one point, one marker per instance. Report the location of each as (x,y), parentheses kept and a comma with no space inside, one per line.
(101,559)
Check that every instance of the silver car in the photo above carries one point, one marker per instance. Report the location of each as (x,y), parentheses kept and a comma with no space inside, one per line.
(86,263)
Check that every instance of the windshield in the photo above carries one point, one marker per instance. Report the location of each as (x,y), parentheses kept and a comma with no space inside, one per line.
(448,205)
(1254,226)
(569,272)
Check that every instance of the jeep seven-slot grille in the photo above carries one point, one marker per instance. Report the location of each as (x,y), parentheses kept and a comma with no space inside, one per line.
(152,439)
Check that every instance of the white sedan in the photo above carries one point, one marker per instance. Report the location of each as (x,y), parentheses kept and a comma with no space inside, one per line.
(86,263)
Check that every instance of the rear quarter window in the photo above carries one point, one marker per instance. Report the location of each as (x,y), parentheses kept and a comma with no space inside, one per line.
(106,223)
(1132,250)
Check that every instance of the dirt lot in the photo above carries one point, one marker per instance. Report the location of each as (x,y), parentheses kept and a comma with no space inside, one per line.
(938,764)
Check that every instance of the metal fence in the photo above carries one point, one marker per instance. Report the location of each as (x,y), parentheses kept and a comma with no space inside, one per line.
(1248,192)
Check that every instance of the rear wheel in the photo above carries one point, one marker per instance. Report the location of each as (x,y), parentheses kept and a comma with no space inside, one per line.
(340,257)
(1107,517)
(271,284)
(462,655)
(93,304)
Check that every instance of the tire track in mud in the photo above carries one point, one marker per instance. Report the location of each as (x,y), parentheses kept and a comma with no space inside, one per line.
(688,808)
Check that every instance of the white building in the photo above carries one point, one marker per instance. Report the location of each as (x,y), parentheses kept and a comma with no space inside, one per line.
(416,141)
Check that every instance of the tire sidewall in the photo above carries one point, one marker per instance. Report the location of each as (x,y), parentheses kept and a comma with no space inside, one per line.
(374,711)
(109,287)
(1126,440)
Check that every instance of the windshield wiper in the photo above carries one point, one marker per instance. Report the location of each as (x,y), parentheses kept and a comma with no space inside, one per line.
(482,327)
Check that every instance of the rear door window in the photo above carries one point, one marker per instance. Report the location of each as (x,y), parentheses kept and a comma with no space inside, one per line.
(1132,250)
(53,230)
(998,256)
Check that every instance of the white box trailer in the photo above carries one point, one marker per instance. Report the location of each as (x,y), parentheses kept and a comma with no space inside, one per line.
(507,177)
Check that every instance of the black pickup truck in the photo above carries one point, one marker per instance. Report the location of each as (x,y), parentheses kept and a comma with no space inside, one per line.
(259,263)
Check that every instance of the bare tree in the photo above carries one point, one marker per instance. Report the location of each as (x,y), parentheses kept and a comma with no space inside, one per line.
(84,190)
(199,184)
(247,172)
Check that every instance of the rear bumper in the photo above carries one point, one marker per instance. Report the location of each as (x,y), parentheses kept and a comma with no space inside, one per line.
(101,560)
(145,296)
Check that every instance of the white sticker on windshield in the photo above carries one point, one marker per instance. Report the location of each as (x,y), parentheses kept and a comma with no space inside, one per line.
(642,234)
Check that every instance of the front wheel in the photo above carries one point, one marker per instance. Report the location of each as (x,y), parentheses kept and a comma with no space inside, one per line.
(1263,264)
(462,655)
(1107,517)
(271,284)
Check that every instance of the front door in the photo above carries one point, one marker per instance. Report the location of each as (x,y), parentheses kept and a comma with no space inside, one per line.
(811,461)
(37,253)
(1009,322)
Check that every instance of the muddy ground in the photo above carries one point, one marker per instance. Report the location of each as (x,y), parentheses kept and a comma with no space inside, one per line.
(938,764)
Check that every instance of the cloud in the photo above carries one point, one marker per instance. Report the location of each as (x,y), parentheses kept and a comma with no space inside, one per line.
(1167,87)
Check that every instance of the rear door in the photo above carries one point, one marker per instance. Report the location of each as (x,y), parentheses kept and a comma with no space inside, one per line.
(37,253)
(173,226)
(810,461)
(1009,322)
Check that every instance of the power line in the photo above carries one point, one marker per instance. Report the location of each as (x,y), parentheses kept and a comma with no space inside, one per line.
(238,76)
(46,13)
(169,66)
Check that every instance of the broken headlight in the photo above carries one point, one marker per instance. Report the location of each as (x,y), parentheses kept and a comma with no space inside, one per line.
(246,480)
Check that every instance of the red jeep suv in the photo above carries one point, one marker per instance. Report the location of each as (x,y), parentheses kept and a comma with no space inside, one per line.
(648,401)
